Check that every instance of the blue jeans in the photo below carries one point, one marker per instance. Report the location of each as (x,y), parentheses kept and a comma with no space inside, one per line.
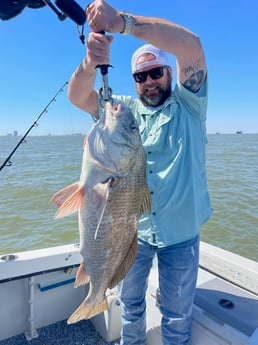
(178,267)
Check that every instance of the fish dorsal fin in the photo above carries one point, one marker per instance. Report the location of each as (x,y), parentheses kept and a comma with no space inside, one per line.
(100,197)
(71,204)
(146,204)
(125,264)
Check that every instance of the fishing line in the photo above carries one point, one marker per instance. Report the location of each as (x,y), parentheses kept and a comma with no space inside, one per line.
(8,162)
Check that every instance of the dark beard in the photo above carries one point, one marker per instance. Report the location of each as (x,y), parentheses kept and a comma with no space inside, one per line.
(160,98)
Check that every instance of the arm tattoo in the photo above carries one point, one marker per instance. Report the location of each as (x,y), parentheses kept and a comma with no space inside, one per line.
(141,24)
(194,81)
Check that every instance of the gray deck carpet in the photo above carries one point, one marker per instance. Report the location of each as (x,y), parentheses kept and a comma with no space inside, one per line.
(81,333)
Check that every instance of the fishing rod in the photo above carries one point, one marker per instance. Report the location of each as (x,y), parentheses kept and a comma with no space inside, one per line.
(8,162)
(62,8)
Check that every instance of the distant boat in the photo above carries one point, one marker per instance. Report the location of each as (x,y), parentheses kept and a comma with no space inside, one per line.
(239,132)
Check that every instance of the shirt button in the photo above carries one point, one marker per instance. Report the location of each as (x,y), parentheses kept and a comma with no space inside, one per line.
(151,172)
(151,192)
(154,213)
(149,152)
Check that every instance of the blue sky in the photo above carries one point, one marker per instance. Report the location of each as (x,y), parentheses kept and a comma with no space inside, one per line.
(39,53)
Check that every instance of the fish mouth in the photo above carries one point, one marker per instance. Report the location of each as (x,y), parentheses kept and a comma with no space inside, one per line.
(110,112)
(114,109)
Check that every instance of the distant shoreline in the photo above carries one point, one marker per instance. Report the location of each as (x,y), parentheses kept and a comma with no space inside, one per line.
(83,134)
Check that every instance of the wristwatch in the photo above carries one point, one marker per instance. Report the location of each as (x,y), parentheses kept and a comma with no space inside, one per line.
(128,19)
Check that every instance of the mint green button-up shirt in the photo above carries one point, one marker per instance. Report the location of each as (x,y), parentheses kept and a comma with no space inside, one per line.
(174,138)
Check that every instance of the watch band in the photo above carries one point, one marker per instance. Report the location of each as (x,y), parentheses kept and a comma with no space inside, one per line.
(128,19)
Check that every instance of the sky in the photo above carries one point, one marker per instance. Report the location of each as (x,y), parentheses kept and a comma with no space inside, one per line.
(39,54)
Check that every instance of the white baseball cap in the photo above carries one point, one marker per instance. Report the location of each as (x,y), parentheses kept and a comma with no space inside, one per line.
(160,57)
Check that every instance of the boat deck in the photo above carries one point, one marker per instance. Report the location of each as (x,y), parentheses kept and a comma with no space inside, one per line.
(39,292)
(81,333)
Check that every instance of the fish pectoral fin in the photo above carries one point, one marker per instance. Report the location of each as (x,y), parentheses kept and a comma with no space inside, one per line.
(146,205)
(87,311)
(82,277)
(59,197)
(125,264)
(100,197)
(71,204)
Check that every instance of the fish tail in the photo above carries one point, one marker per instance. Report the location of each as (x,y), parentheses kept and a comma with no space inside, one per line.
(87,311)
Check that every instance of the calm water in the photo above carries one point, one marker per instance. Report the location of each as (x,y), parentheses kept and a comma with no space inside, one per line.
(45,164)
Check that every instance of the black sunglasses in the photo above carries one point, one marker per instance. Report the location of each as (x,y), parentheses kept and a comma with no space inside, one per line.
(155,73)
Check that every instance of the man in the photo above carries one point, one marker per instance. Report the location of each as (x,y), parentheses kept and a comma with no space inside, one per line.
(172,127)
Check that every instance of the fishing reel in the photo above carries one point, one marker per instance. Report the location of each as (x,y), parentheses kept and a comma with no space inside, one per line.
(62,8)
